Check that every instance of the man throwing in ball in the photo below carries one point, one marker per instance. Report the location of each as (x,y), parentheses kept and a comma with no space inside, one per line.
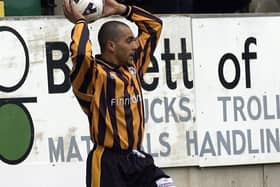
(108,89)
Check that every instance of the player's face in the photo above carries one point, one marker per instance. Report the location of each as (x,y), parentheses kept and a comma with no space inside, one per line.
(125,46)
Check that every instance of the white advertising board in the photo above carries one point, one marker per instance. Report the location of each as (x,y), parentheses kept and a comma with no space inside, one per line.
(237,89)
(211,97)
(43,130)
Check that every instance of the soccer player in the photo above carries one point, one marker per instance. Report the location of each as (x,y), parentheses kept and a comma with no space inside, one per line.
(108,89)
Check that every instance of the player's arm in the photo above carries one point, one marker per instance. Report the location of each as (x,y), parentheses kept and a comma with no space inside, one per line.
(149,30)
(82,71)
(81,55)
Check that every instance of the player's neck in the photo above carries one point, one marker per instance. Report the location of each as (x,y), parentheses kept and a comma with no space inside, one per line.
(110,59)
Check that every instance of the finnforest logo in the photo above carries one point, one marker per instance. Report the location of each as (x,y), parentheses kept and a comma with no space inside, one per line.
(16,125)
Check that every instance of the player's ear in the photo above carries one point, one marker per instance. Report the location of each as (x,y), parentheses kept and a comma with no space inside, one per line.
(110,45)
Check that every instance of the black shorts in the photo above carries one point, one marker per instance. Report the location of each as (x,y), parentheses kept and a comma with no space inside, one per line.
(107,168)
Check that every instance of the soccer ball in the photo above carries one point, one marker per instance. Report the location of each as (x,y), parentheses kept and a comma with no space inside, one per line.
(91,9)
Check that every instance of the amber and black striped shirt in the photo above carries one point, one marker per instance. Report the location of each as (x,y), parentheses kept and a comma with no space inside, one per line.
(110,94)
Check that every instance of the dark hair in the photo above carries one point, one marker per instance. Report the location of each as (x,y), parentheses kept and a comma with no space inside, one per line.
(109,31)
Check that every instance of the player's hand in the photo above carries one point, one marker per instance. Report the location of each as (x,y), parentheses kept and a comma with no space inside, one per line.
(71,11)
(112,7)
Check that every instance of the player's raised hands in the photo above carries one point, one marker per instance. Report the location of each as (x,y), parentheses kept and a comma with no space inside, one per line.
(71,11)
(112,7)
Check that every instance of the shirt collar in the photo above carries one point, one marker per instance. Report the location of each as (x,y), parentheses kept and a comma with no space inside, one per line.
(110,65)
